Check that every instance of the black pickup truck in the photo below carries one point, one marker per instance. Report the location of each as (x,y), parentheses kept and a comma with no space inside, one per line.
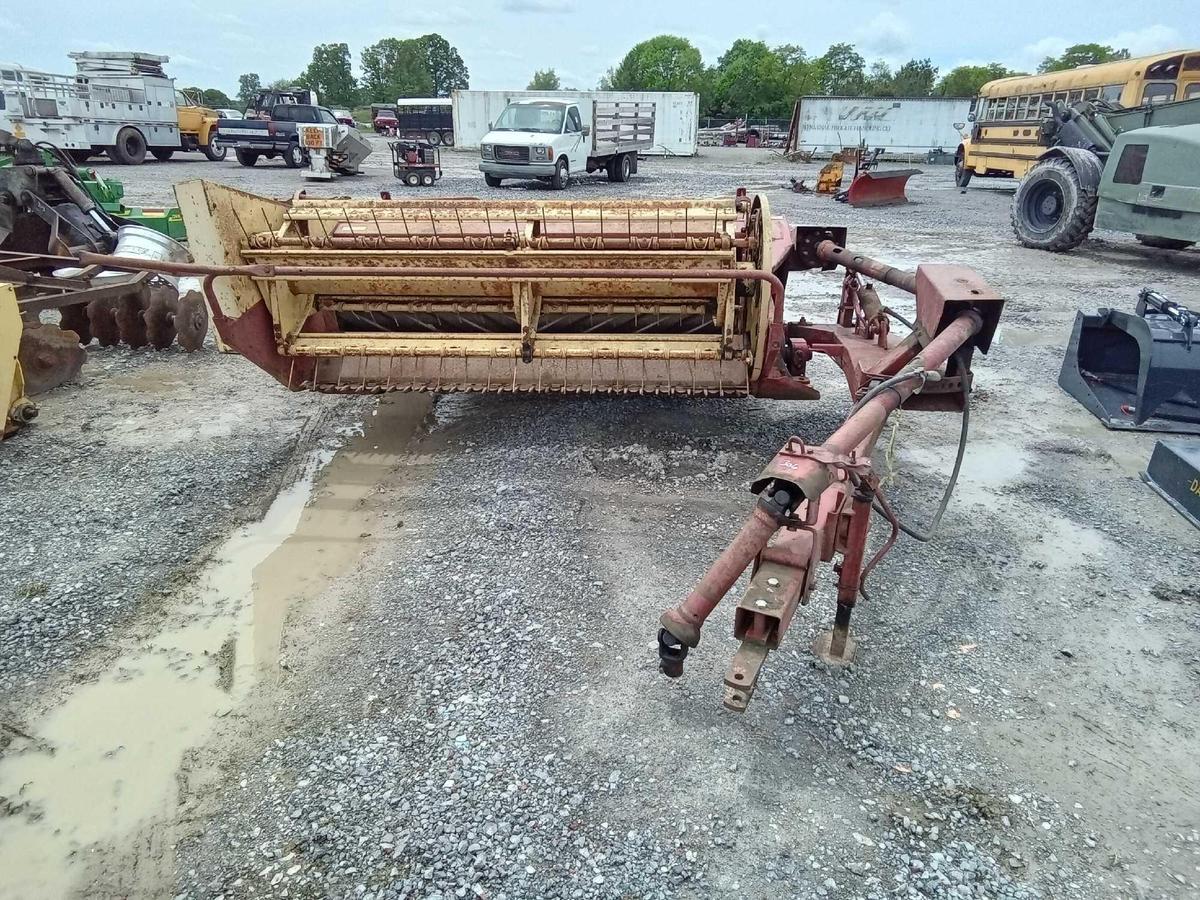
(277,136)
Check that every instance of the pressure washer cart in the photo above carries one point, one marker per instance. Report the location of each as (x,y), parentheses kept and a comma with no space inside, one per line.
(416,162)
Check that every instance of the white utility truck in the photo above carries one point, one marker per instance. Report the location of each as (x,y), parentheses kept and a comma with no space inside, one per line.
(549,140)
(122,104)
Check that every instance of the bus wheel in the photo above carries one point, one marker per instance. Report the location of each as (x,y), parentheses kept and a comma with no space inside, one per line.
(962,175)
(1052,209)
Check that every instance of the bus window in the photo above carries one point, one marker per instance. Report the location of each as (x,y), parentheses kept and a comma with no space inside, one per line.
(1158,92)
(1191,64)
(1074,96)
(1091,93)
(1010,109)
(1023,108)
(1112,92)
(1060,97)
(1192,91)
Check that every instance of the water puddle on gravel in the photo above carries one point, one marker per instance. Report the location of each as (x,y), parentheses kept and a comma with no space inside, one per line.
(103,764)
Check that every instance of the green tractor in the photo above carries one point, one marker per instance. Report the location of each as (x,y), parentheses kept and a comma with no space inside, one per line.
(1131,170)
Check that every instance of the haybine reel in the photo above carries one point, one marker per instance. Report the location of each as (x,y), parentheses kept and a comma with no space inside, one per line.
(669,297)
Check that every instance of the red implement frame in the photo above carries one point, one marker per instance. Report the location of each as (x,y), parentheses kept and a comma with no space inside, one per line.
(815,502)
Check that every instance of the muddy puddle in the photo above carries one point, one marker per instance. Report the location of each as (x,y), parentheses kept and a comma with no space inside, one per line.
(102,764)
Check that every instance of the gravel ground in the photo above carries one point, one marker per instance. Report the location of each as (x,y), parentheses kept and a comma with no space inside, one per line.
(472,709)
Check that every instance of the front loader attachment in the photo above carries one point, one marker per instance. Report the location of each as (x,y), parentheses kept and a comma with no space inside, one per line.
(1137,371)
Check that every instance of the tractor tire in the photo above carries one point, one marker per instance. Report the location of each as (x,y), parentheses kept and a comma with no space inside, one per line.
(492,181)
(214,149)
(962,175)
(130,148)
(1052,209)
(562,175)
(162,154)
(1163,243)
(246,157)
(293,156)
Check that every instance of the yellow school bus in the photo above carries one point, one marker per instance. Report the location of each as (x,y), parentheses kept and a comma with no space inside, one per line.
(1005,137)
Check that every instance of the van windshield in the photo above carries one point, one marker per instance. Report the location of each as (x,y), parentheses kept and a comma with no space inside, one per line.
(542,117)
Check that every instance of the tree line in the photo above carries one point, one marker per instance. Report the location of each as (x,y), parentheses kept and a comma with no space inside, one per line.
(750,78)
(426,66)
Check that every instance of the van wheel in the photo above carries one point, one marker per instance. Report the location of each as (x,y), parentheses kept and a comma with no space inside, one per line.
(562,175)
(293,156)
(1052,210)
(1163,243)
(246,157)
(962,175)
(130,148)
(215,150)
(620,168)
(492,181)
(162,154)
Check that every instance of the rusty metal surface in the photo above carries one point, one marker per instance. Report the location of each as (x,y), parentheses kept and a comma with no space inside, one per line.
(821,497)
(49,357)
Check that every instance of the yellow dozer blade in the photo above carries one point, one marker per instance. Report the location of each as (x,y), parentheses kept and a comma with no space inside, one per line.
(366,295)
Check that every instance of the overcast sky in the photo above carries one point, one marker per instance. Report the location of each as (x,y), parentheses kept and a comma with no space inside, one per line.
(503,41)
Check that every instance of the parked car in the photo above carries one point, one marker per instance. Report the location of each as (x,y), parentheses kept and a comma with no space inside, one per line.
(274,133)
(231,113)
(383,119)
(344,117)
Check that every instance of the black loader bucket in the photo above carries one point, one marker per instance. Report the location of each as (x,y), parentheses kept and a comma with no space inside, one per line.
(1137,371)
(1174,471)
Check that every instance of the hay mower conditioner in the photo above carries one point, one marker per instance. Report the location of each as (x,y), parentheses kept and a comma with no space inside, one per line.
(680,297)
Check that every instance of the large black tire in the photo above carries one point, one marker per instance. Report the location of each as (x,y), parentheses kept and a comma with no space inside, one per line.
(434,138)
(293,156)
(130,148)
(162,154)
(492,181)
(447,138)
(620,168)
(962,175)
(562,175)
(1163,243)
(1052,209)
(246,157)
(214,149)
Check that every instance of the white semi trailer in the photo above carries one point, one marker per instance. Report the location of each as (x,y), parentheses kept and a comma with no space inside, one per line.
(121,104)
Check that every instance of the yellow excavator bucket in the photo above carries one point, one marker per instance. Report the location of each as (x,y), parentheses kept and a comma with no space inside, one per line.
(376,294)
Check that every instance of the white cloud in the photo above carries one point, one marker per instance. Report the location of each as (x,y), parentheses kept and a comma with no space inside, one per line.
(536,6)
(884,36)
(1141,42)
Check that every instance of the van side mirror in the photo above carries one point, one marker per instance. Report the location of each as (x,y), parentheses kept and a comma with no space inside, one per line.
(970,117)
(585,130)
(489,126)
